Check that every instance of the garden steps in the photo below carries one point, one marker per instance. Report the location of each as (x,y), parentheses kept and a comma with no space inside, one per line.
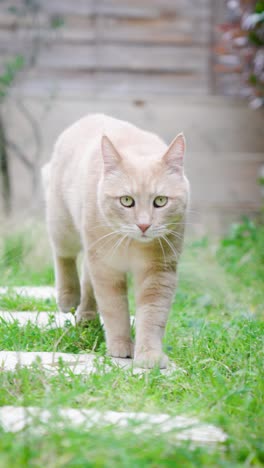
(17,418)
(77,363)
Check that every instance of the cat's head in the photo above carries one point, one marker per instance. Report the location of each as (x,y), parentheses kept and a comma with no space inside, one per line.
(143,196)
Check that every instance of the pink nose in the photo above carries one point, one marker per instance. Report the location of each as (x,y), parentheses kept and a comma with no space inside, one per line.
(143,227)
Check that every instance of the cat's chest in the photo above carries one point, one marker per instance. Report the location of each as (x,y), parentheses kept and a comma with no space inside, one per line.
(125,258)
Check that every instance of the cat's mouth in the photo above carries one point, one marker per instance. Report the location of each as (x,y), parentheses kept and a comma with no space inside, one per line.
(143,237)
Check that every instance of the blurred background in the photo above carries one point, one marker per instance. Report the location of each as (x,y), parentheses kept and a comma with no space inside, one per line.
(165,65)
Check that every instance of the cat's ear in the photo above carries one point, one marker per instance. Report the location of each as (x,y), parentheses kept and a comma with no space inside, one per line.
(174,155)
(111,156)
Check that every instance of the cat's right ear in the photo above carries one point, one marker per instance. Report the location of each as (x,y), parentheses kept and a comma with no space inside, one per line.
(110,155)
(175,154)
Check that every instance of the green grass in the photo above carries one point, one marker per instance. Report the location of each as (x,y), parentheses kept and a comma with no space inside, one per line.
(215,333)
(13,301)
(31,338)
(105,448)
(25,257)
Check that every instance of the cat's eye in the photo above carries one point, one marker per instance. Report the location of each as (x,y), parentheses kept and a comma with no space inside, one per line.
(127,201)
(160,201)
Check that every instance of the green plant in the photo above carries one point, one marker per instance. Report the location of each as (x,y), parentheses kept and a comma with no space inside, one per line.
(214,336)
(240,49)
(25,257)
(11,68)
(242,252)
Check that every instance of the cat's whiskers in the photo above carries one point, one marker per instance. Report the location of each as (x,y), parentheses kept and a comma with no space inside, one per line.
(117,245)
(98,226)
(165,231)
(105,243)
(180,223)
(176,234)
(128,242)
(162,249)
(191,211)
(159,228)
(171,247)
(128,229)
(103,237)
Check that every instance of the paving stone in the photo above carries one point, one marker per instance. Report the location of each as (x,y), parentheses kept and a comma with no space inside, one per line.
(77,363)
(9,360)
(14,419)
(43,319)
(39,292)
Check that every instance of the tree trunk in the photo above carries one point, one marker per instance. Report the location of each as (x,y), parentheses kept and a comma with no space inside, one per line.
(5,187)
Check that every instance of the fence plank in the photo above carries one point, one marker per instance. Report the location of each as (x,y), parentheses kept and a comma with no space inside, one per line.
(166,33)
(127,9)
(133,58)
(119,84)
(114,42)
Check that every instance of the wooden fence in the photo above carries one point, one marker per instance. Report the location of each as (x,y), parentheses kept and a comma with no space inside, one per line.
(119,47)
(146,61)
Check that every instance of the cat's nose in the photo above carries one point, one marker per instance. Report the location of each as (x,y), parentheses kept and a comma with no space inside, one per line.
(143,227)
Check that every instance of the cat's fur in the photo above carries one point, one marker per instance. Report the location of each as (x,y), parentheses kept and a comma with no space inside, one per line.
(95,162)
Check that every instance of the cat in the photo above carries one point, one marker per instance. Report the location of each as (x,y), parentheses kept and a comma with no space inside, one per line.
(119,194)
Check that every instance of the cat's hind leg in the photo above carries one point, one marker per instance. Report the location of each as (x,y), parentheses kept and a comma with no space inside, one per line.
(66,246)
(67,283)
(87,309)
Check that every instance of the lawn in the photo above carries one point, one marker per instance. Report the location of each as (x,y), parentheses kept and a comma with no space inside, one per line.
(214,334)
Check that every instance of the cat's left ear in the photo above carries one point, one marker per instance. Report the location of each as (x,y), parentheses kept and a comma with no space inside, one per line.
(174,155)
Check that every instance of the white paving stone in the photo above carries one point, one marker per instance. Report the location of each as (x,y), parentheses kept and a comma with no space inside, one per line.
(14,419)
(43,319)
(9,360)
(82,363)
(77,363)
(39,292)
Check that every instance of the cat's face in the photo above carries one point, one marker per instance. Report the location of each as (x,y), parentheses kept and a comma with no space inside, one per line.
(144,198)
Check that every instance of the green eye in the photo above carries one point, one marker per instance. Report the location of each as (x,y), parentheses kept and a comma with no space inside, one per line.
(127,201)
(160,201)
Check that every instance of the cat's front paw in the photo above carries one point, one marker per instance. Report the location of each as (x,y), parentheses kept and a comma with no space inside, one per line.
(120,348)
(84,316)
(151,358)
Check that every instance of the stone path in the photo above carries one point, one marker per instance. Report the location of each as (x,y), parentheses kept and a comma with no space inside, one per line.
(76,363)
(38,292)
(43,319)
(14,418)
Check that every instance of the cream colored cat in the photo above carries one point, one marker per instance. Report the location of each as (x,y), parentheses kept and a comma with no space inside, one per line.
(119,194)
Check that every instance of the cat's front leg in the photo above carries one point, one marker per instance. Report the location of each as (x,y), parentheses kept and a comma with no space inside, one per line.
(110,289)
(155,291)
